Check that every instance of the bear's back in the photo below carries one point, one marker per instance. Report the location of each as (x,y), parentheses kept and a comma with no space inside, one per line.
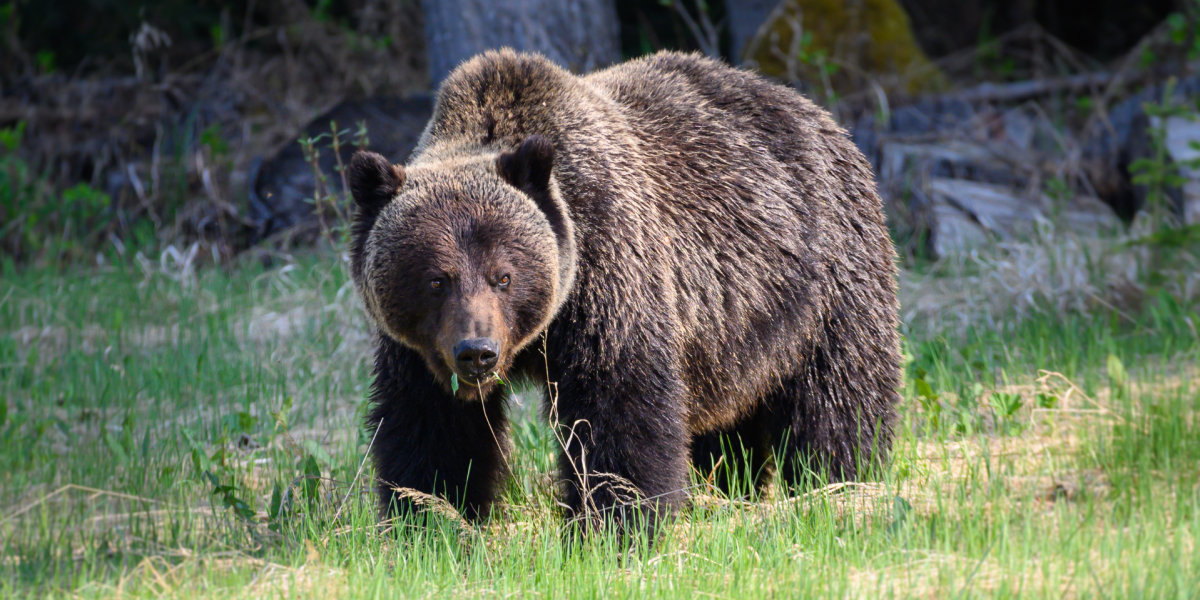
(669,87)
(770,210)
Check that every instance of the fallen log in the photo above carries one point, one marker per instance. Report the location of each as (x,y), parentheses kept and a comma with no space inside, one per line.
(1020,90)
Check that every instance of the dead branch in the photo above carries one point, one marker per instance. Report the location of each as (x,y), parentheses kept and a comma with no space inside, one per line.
(1021,90)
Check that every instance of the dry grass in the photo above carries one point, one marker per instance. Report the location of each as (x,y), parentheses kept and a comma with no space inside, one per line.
(1054,273)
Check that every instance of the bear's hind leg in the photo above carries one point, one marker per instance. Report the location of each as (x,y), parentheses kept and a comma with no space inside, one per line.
(833,419)
(735,460)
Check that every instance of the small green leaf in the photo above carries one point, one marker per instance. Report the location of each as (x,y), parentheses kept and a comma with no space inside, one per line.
(1116,371)
(901,508)
(312,478)
(117,450)
(239,422)
(217,33)
(281,415)
(1178,26)
(10,137)
(273,509)
(927,398)
(45,61)
(1045,400)
(454,382)
(319,453)
(211,137)
(200,461)
(925,390)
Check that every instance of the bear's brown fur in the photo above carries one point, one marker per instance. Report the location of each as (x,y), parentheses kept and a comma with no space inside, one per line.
(676,249)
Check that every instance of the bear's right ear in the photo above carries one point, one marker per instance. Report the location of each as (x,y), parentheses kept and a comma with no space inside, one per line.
(528,166)
(373,180)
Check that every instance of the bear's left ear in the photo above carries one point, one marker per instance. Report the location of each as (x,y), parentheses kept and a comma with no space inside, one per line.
(373,180)
(528,166)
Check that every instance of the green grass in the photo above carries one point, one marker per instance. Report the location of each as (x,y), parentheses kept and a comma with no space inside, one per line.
(152,426)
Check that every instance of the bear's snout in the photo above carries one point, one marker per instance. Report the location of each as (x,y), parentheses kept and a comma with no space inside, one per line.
(476,356)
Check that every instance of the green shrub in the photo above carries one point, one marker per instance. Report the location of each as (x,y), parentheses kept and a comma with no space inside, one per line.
(38,224)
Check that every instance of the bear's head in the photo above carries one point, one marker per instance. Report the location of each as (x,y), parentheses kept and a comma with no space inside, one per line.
(464,260)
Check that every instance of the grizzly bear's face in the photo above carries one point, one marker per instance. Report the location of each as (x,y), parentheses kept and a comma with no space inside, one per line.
(465,261)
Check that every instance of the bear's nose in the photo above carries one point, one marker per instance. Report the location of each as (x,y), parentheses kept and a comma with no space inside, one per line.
(476,356)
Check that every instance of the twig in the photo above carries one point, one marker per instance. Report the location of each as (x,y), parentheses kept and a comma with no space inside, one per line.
(1045,376)
(69,487)
(707,38)
(350,488)
(1020,90)
(1110,306)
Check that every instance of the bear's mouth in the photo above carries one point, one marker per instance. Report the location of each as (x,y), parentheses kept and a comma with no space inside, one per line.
(472,386)
(476,380)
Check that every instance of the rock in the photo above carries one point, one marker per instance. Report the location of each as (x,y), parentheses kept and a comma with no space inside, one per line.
(1088,215)
(951,159)
(958,174)
(282,185)
(967,214)
(1107,140)
(1019,128)
(1181,135)
(995,208)
(954,231)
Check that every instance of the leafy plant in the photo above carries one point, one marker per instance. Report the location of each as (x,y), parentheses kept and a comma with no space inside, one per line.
(1158,172)
(327,204)
(211,138)
(36,223)
(1184,30)
(217,471)
(1046,400)
(45,60)
(930,401)
(1006,403)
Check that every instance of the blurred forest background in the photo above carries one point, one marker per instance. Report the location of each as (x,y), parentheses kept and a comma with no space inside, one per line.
(209,129)
(184,364)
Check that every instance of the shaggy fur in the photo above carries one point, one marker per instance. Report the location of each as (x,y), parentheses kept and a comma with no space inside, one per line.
(698,251)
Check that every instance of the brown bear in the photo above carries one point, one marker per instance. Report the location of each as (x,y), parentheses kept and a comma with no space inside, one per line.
(685,255)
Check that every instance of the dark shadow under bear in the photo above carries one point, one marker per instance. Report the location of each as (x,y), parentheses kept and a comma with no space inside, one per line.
(675,249)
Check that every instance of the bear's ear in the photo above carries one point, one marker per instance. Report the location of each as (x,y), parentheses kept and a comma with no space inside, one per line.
(373,180)
(527,167)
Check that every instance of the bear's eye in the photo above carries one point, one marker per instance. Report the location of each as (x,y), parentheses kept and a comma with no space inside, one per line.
(503,283)
(436,283)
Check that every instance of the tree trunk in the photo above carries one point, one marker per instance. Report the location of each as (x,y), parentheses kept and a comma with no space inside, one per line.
(581,35)
(745,17)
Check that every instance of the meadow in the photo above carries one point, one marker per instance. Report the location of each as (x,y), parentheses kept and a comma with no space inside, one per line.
(170,431)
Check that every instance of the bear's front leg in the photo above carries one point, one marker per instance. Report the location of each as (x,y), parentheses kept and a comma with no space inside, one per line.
(428,440)
(625,460)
